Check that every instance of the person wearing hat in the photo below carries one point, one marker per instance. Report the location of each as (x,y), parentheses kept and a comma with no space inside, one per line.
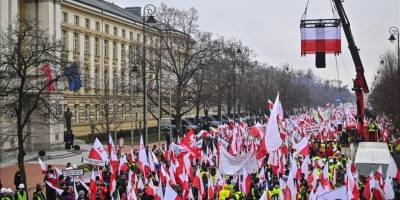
(38,194)
(21,194)
(2,192)
(7,194)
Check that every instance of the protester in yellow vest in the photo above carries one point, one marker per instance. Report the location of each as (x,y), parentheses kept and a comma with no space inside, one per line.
(225,193)
(21,193)
(38,194)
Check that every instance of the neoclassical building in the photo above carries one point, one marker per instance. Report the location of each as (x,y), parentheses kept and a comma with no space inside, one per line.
(101,37)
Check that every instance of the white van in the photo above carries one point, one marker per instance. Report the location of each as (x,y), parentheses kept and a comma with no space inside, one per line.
(371,155)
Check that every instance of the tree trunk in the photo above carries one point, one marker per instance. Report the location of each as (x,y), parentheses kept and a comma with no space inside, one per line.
(197,112)
(21,150)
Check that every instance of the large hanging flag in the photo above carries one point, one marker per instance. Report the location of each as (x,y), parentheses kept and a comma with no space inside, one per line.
(73,76)
(320,39)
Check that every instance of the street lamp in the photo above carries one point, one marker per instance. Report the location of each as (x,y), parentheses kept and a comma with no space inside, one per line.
(148,17)
(395,31)
(235,51)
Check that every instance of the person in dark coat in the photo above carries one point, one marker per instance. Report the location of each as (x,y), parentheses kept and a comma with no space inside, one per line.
(17,179)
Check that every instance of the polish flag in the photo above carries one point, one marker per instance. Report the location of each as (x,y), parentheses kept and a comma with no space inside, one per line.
(49,73)
(304,166)
(378,193)
(272,138)
(54,187)
(123,167)
(143,161)
(43,167)
(388,188)
(210,190)
(378,175)
(325,182)
(302,147)
(97,152)
(324,39)
(198,182)
(170,193)
(246,182)
(392,169)
(368,185)
(92,187)
(159,194)
(270,104)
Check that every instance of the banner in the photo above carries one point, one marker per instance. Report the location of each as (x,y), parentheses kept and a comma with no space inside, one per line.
(339,193)
(229,165)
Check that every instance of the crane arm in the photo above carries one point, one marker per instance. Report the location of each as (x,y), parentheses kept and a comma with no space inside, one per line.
(352,46)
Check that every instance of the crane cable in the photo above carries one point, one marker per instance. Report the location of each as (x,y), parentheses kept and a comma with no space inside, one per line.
(338,78)
(305,11)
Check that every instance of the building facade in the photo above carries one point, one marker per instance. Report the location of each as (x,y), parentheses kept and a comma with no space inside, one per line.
(102,38)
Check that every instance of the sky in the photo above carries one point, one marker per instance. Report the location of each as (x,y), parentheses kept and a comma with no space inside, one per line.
(271,29)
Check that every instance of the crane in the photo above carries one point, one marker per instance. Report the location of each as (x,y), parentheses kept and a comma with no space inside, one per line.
(360,85)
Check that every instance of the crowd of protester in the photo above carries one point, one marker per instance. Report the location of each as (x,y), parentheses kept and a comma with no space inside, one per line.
(133,181)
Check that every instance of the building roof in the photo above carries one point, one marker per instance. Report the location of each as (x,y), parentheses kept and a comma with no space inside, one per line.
(112,8)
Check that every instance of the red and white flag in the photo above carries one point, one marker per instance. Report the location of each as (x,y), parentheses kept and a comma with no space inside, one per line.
(272,136)
(57,189)
(324,39)
(388,188)
(97,152)
(43,167)
(392,169)
(170,193)
(198,182)
(302,147)
(92,187)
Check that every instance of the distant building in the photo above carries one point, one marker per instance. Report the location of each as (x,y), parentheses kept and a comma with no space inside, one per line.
(99,36)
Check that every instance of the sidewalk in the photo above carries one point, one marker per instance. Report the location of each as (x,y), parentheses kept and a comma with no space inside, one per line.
(34,175)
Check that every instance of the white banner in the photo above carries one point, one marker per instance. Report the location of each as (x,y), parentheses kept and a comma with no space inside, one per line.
(336,194)
(229,165)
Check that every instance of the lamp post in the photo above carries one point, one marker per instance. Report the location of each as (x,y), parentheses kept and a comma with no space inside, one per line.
(148,11)
(235,51)
(395,31)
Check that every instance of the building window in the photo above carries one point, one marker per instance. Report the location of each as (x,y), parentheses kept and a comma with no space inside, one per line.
(64,39)
(131,36)
(138,38)
(76,42)
(65,17)
(96,46)
(97,111)
(76,20)
(87,23)
(123,52)
(98,26)
(114,50)
(96,80)
(105,48)
(107,28)
(76,113)
(123,33)
(87,44)
(87,111)
(115,31)
(86,83)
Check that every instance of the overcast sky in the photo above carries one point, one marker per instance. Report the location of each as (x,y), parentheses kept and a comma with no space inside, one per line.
(271,29)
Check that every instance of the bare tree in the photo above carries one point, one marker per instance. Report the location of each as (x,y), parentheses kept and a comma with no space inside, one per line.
(182,50)
(385,96)
(24,50)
